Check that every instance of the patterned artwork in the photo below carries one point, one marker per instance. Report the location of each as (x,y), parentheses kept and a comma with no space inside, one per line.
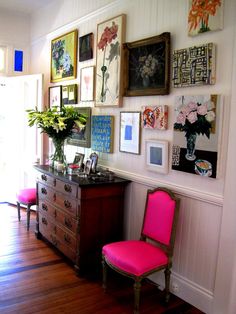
(155,117)
(196,134)
(194,66)
(205,16)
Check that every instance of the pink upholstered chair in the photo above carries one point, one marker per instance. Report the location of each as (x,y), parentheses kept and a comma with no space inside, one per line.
(26,197)
(153,252)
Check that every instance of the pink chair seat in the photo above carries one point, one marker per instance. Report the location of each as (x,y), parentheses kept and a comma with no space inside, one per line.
(27,196)
(134,257)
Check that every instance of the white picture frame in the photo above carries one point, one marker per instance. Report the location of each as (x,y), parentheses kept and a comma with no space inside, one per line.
(157,156)
(130,132)
(87,83)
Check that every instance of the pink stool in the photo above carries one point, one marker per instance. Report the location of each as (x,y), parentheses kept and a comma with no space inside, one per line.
(26,197)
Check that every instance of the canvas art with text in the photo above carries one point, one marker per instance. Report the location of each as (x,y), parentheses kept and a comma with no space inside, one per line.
(205,16)
(194,66)
(155,117)
(195,142)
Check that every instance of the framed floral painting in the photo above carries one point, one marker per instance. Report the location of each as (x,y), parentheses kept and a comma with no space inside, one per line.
(204,16)
(109,62)
(147,66)
(196,133)
(64,57)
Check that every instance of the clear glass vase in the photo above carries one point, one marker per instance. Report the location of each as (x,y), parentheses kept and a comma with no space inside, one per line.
(58,157)
(191,142)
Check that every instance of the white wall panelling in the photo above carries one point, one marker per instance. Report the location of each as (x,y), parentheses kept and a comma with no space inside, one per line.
(202,232)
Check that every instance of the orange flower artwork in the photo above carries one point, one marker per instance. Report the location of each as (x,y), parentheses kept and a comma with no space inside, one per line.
(204,16)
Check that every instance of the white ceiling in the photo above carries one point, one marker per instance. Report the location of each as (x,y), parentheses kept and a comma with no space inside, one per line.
(23,6)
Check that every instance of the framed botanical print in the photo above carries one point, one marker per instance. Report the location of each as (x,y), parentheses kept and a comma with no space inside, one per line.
(130,132)
(54,93)
(82,136)
(69,94)
(64,57)
(147,66)
(87,84)
(86,47)
(157,155)
(109,62)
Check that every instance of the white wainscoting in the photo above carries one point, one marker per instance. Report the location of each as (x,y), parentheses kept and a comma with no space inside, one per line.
(197,238)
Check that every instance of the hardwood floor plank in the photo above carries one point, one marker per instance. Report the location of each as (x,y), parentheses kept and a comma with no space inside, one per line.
(36,279)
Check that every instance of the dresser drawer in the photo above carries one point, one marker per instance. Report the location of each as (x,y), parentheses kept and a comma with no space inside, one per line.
(70,205)
(45,179)
(59,216)
(66,188)
(51,231)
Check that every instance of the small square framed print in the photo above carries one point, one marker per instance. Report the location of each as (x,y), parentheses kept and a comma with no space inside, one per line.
(54,93)
(69,94)
(157,155)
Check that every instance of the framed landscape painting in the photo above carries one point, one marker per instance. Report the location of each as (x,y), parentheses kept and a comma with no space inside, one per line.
(109,62)
(147,66)
(64,57)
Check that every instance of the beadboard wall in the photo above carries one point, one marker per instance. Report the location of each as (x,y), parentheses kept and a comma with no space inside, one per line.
(199,233)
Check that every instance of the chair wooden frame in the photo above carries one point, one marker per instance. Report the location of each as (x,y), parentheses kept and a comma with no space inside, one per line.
(168,249)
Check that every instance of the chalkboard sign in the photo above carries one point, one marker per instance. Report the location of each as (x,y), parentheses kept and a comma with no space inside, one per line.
(102,133)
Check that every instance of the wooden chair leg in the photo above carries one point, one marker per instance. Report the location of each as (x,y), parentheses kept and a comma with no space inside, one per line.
(18,210)
(137,289)
(28,217)
(104,274)
(167,284)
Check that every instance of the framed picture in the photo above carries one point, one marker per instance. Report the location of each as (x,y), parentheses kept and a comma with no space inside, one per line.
(69,94)
(147,66)
(87,166)
(79,158)
(155,117)
(130,132)
(87,84)
(64,57)
(86,47)
(102,133)
(109,62)
(94,159)
(194,66)
(204,16)
(157,155)
(54,93)
(82,136)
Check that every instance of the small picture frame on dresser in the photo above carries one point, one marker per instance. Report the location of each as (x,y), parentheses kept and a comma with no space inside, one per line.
(87,166)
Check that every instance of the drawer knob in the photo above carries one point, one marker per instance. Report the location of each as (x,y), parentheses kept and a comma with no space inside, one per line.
(44,221)
(44,207)
(54,182)
(44,177)
(44,191)
(67,238)
(67,188)
(54,197)
(67,204)
(68,223)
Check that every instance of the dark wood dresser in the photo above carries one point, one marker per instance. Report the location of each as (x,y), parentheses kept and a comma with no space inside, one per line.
(79,215)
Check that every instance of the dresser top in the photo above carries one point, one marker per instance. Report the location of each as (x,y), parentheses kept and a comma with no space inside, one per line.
(79,180)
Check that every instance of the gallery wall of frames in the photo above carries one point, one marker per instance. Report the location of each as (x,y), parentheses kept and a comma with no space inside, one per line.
(156,83)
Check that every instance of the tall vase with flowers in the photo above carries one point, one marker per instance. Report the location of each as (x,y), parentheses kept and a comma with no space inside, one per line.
(58,126)
(194,118)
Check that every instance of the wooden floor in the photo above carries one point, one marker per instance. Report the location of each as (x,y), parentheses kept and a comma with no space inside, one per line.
(34,278)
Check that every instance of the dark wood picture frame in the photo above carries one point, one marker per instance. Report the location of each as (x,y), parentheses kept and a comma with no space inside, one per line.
(70,94)
(82,138)
(147,66)
(86,43)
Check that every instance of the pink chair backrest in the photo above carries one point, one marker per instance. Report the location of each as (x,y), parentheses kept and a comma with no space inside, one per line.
(159,216)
